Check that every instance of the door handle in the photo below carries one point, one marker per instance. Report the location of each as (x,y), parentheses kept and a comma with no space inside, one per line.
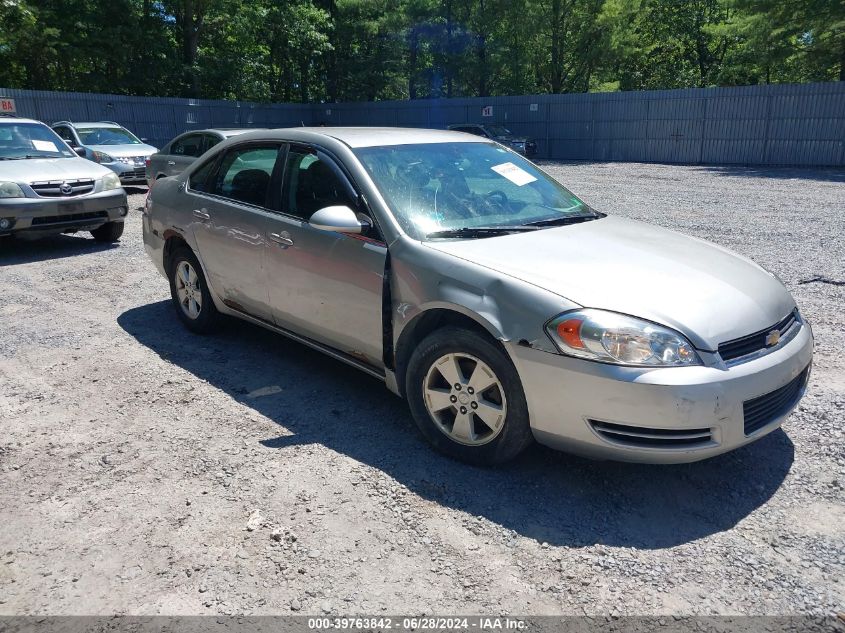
(171,163)
(282,240)
(202,214)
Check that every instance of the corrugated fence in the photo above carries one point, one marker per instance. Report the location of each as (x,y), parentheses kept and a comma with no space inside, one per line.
(755,125)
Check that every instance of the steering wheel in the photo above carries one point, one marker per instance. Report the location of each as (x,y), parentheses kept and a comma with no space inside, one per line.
(498,197)
(459,207)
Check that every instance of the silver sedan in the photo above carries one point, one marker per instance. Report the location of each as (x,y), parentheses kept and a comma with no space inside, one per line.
(500,305)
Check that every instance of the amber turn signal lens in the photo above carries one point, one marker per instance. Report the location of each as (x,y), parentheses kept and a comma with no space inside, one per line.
(569,332)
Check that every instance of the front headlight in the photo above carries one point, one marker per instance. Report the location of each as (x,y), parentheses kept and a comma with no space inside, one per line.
(102,157)
(10,190)
(111,181)
(609,337)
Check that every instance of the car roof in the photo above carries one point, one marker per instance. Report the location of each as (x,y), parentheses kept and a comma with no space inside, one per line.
(226,131)
(367,136)
(91,124)
(15,120)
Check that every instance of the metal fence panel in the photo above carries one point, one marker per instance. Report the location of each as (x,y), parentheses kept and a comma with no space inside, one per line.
(727,151)
(791,124)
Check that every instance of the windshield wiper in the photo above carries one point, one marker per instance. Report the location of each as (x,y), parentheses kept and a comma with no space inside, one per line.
(481,231)
(564,220)
(20,157)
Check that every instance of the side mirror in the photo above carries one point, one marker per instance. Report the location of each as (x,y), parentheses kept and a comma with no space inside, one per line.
(80,151)
(340,219)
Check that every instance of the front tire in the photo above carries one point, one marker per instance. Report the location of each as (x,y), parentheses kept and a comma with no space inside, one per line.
(190,294)
(466,397)
(109,232)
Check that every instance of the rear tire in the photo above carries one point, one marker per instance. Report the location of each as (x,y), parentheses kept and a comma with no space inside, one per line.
(109,232)
(190,294)
(466,397)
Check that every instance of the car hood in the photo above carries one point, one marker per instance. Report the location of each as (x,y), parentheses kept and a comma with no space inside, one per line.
(35,169)
(120,151)
(707,292)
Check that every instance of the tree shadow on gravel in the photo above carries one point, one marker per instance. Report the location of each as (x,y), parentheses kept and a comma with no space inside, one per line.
(544,495)
(824,174)
(780,173)
(17,251)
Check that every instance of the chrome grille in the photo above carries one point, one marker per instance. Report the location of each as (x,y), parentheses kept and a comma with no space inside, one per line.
(746,345)
(645,437)
(131,160)
(53,188)
(761,411)
(139,173)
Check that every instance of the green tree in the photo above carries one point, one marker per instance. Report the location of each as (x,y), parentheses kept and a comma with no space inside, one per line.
(656,44)
(786,41)
(347,50)
(570,43)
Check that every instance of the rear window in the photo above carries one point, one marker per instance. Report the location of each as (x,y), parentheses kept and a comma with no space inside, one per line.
(199,179)
(244,174)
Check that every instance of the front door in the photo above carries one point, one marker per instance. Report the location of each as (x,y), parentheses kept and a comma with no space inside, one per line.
(229,221)
(324,285)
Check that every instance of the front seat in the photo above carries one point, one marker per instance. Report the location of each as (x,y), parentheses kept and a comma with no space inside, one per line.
(318,188)
(250,186)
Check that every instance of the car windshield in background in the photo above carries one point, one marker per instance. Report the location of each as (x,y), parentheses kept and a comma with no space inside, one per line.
(106,136)
(467,190)
(31,140)
(499,130)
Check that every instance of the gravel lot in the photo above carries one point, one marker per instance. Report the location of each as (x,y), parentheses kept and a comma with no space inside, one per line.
(146,470)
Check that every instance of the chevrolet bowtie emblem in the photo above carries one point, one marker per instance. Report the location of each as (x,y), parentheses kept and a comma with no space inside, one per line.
(772,338)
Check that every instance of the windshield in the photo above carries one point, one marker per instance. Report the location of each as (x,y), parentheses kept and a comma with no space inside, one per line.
(106,136)
(445,187)
(498,130)
(19,141)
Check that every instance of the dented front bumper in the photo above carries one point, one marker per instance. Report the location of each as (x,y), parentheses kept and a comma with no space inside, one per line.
(666,415)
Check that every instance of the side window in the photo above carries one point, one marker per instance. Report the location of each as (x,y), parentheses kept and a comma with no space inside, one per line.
(65,133)
(199,179)
(209,141)
(244,174)
(311,184)
(190,145)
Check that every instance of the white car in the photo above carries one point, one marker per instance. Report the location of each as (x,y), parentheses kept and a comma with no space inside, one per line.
(45,188)
(111,145)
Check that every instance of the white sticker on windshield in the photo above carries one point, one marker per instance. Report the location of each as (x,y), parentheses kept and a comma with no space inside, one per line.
(516,175)
(44,146)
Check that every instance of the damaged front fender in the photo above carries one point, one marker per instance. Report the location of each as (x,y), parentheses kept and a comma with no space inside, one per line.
(424,279)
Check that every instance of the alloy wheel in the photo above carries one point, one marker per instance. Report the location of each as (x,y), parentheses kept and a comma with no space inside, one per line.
(465,399)
(188,289)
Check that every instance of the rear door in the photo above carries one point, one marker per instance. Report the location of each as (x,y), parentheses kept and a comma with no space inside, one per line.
(182,152)
(231,217)
(324,285)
